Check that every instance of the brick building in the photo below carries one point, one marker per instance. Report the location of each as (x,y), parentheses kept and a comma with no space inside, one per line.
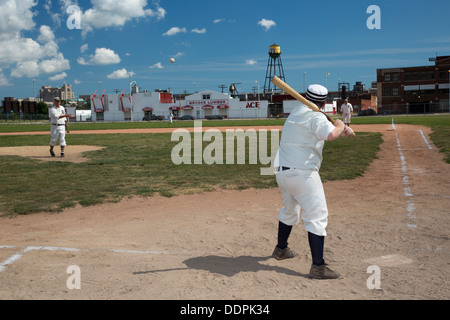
(422,89)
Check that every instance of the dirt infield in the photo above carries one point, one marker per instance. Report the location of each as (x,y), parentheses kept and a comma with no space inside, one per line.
(389,225)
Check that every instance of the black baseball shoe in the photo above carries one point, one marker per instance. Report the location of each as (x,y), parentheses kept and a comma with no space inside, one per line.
(62,155)
(322,272)
(52,153)
(281,254)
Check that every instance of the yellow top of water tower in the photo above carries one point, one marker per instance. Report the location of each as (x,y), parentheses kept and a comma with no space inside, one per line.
(275,49)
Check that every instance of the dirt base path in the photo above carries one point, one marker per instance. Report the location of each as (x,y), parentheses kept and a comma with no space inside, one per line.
(392,222)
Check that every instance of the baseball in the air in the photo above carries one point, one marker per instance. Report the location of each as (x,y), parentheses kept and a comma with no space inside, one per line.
(172,60)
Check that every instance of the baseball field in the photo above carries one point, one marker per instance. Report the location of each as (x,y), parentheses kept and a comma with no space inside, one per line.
(137,226)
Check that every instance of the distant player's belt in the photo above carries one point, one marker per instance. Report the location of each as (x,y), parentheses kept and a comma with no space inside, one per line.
(284,168)
(56,124)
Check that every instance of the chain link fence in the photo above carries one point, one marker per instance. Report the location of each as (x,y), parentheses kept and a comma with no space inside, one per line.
(31,117)
(413,108)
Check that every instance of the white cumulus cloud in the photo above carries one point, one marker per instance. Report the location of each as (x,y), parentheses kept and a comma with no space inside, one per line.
(111,13)
(16,15)
(251,62)
(34,68)
(25,56)
(55,64)
(120,74)
(157,65)
(46,35)
(174,30)
(267,24)
(199,31)
(57,77)
(102,56)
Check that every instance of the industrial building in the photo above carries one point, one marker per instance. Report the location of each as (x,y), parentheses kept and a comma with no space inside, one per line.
(422,89)
(200,105)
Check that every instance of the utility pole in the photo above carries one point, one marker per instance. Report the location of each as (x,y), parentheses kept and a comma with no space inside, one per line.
(222,87)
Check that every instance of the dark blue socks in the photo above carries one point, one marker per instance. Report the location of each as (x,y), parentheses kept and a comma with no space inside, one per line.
(283,234)
(316,244)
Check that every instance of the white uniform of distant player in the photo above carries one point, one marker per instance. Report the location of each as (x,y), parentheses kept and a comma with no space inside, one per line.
(58,130)
(346,110)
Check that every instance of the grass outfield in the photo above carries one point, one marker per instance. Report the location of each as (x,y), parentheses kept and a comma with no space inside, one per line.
(32,126)
(140,164)
(440,124)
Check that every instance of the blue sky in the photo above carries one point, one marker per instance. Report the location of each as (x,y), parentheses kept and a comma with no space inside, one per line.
(213,42)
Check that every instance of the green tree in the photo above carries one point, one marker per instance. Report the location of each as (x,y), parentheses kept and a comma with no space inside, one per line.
(42,108)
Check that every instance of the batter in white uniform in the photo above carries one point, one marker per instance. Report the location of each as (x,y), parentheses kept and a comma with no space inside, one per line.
(300,157)
(58,118)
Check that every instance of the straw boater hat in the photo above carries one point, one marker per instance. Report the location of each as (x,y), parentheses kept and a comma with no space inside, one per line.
(316,92)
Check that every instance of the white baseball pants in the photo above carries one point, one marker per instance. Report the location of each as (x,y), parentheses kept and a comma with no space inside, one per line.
(346,117)
(58,132)
(303,189)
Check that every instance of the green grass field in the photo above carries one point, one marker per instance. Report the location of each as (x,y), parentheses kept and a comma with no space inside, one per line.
(141,164)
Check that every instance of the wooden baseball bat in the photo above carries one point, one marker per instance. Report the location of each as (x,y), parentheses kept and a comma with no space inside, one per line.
(286,88)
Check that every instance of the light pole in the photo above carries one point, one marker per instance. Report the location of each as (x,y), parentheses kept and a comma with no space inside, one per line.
(131,100)
(34,95)
(326,76)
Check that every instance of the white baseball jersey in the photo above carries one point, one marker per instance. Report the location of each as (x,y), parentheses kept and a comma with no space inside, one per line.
(55,113)
(302,139)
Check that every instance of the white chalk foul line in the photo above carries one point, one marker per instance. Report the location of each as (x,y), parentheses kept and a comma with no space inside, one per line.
(411,207)
(138,251)
(426,141)
(20,254)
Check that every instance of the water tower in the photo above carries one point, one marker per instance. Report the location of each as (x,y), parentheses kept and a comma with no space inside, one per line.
(274,68)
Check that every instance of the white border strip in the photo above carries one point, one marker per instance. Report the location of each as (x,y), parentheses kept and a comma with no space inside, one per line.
(138,251)
(426,141)
(20,254)
(411,207)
